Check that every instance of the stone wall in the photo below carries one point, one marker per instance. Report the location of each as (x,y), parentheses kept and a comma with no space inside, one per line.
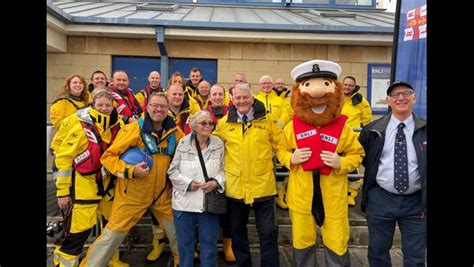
(87,54)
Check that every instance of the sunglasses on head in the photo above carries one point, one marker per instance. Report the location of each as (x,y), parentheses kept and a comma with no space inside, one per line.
(206,123)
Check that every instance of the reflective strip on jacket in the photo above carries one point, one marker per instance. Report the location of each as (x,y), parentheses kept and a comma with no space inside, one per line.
(333,186)
(248,160)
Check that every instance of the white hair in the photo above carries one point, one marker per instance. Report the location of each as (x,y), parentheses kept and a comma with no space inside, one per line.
(266,76)
(196,116)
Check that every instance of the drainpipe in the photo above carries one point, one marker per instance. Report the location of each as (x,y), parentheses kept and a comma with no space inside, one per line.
(160,39)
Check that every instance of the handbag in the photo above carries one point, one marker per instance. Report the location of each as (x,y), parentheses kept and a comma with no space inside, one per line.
(214,201)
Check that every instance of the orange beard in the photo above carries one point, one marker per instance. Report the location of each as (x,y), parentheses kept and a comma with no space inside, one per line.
(303,102)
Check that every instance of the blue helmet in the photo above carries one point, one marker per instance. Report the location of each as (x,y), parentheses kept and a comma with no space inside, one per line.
(135,155)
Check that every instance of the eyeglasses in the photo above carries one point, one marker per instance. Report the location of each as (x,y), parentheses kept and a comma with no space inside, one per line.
(206,123)
(154,105)
(403,93)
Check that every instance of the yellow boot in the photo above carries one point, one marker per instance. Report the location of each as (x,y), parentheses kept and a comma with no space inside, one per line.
(63,259)
(227,248)
(115,261)
(158,248)
(353,191)
(56,256)
(280,200)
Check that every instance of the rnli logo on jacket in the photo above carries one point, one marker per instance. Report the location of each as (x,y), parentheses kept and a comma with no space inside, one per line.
(82,157)
(304,135)
(329,139)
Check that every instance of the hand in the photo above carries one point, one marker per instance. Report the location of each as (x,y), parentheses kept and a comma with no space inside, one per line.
(64,202)
(331,159)
(300,155)
(196,185)
(209,186)
(141,169)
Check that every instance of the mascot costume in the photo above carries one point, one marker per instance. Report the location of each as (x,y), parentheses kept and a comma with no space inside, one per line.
(319,149)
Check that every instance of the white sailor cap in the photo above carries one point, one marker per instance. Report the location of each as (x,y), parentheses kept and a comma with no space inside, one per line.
(316,68)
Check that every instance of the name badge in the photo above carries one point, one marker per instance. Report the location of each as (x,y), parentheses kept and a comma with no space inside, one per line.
(329,139)
(82,156)
(307,134)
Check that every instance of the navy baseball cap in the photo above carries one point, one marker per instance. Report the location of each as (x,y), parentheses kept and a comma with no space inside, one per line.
(397,83)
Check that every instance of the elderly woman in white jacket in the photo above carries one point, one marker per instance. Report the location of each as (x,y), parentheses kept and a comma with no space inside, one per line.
(189,187)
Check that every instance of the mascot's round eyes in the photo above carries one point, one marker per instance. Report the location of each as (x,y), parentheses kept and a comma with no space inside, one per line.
(326,83)
(307,84)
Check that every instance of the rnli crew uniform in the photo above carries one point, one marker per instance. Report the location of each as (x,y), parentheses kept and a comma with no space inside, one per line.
(133,196)
(65,106)
(144,94)
(81,176)
(250,180)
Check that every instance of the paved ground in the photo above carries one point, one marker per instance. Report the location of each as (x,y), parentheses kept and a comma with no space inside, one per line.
(134,252)
(136,258)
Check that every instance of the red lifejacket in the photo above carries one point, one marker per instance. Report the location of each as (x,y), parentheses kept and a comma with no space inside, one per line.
(225,108)
(318,139)
(146,92)
(88,162)
(124,107)
(183,122)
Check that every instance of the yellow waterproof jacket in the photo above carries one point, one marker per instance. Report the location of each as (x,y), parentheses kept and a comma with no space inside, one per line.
(63,107)
(359,114)
(193,105)
(333,186)
(143,95)
(276,107)
(154,186)
(62,132)
(73,142)
(286,97)
(201,102)
(227,97)
(248,161)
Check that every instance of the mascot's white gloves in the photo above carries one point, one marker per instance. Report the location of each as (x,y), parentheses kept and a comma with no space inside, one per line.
(300,155)
(331,159)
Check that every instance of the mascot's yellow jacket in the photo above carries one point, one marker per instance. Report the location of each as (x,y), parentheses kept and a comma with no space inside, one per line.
(333,186)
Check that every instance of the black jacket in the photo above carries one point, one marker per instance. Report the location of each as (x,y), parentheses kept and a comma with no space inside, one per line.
(372,138)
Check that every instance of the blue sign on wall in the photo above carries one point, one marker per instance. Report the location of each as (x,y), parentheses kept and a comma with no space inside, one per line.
(377,84)
(410,60)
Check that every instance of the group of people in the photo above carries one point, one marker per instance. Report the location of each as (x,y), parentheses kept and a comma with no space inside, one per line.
(203,139)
